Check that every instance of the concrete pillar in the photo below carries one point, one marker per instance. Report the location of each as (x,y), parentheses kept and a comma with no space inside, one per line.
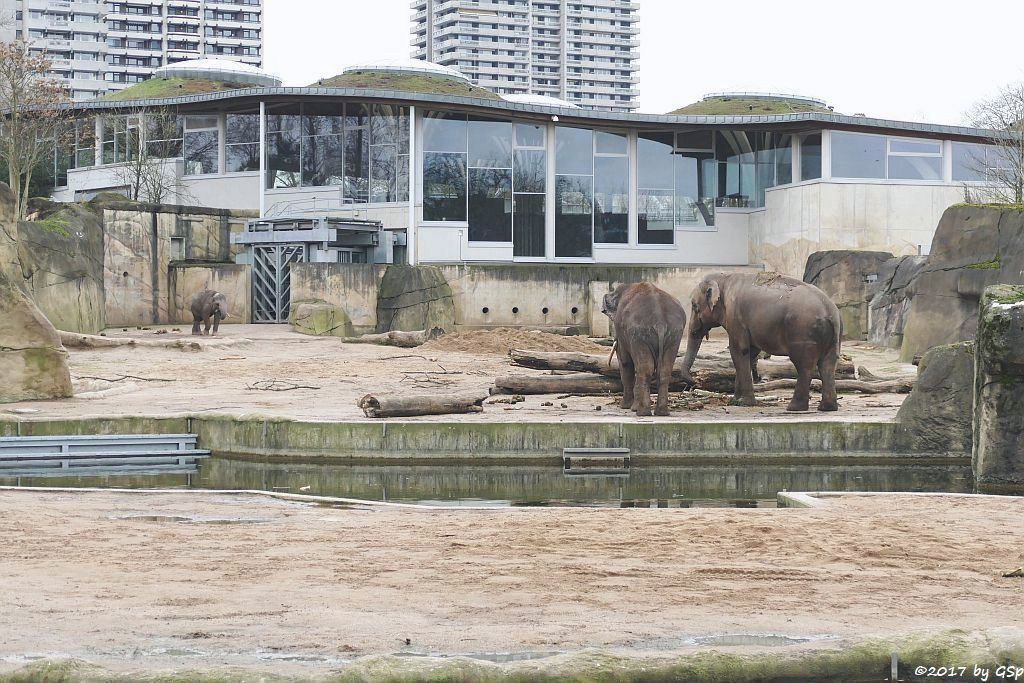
(600,325)
(998,456)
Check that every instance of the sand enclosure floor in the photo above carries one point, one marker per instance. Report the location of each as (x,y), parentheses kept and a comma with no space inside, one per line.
(216,380)
(176,579)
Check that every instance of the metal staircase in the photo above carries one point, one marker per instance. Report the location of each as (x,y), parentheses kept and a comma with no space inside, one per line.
(64,456)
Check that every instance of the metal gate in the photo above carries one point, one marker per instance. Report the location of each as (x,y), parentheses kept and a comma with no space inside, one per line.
(271,280)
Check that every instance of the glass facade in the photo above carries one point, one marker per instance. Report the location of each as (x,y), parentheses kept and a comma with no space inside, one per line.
(810,156)
(861,155)
(529,184)
(202,145)
(574,192)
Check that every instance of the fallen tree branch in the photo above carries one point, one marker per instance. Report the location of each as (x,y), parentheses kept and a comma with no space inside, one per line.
(901,385)
(375,405)
(121,379)
(406,340)
(74,340)
(277,385)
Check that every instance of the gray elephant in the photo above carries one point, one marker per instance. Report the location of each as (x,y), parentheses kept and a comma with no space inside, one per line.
(649,327)
(208,305)
(774,313)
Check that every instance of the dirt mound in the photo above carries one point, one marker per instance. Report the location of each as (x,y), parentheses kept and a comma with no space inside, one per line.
(503,339)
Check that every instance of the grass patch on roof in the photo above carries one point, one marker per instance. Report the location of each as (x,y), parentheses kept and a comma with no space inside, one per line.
(740,106)
(420,83)
(171,87)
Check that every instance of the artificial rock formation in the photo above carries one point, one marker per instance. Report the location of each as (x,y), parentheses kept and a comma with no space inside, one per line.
(889,300)
(414,298)
(974,247)
(846,276)
(320,319)
(998,455)
(33,363)
(938,413)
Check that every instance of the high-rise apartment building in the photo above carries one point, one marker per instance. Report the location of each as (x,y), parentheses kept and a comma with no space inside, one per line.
(584,52)
(98,47)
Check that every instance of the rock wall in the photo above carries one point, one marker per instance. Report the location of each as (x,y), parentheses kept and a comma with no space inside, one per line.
(974,247)
(141,243)
(351,288)
(938,415)
(847,276)
(414,298)
(33,362)
(998,456)
(890,301)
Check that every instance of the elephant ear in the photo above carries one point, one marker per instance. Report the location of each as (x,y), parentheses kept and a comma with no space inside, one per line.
(712,293)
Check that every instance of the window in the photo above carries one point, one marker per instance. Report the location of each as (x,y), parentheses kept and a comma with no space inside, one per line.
(283,142)
(322,146)
(85,143)
(164,135)
(241,143)
(611,188)
(389,154)
(655,188)
(529,183)
(810,156)
(120,139)
(202,145)
(444,167)
(574,192)
(915,159)
(858,156)
(737,176)
(490,180)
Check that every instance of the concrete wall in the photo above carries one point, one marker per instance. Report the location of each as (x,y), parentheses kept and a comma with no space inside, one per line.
(141,241)
(823,215)
(571,293)
(233,281)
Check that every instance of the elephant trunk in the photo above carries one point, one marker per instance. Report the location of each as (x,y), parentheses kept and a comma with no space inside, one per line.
(695,339)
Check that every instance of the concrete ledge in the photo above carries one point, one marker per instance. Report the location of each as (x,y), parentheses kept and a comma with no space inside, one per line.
(806,442)
(784,499)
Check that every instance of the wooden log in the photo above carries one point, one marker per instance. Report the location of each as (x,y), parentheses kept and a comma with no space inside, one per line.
(899,385)
(377,405)
(75,340)
(405,340)
(715,368)
(582,384)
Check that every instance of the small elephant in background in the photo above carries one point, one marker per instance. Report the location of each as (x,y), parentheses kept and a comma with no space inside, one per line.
(649,324)
(208,305)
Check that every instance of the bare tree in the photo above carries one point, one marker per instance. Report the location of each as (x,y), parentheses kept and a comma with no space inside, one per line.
(1001,163)
(145,142)
(36,120)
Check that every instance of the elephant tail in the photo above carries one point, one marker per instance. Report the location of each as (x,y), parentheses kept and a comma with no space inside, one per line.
(828,333)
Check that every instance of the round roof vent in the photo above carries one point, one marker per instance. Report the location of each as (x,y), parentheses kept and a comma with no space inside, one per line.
(218,70)
(544,100)
(407,66)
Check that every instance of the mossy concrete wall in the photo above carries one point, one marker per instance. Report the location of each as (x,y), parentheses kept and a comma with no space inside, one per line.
(520,442)
(350,287)
(141,242)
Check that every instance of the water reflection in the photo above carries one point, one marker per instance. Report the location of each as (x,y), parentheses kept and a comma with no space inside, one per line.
(664,486)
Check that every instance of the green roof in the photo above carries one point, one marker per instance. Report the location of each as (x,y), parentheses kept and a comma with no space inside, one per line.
(740,106)
(171,87)
(405,82)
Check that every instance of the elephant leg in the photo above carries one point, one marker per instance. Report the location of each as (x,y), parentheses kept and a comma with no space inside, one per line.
(195,325)
(627,374)
(206,326)
(804,362)
(827,370)
(642,387)
(665,366)
(754,356)
(216,323)
(744,393)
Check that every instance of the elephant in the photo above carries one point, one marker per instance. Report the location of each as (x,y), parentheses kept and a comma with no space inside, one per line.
(649,326)
(207,305)
(773,313)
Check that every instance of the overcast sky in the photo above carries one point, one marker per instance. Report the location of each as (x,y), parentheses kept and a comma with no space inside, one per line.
(914,60)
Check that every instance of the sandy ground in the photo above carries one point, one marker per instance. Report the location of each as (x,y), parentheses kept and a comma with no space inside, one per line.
(201,579)
(217,381)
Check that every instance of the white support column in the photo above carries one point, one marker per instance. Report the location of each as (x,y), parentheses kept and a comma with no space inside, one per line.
(794,162)
(263,159)
(947,161)
(411,233)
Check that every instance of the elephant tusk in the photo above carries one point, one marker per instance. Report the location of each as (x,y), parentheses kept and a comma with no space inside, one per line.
(615,345)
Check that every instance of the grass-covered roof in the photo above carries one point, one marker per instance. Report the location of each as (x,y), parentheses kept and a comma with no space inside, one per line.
(171,87)
(406,82)
(750,106)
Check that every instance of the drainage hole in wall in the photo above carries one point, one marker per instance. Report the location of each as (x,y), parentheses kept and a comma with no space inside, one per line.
(485,310)
(125,273)
(544,310)
(515,310)
(575,310)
